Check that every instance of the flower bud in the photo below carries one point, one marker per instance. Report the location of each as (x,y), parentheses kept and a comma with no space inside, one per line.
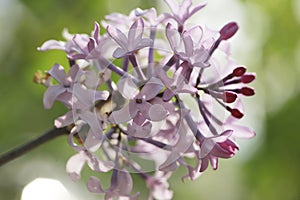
(229,97)
(228,31)
(247,78)
(236,113)
(239,71)
(247,91)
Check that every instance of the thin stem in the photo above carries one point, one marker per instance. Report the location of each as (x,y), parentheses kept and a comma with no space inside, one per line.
(151,52)
(137,68)
(21,150)
(125,63)
(209,125)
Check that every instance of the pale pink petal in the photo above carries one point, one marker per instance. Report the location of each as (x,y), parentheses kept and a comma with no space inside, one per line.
(51,95)
(75,164)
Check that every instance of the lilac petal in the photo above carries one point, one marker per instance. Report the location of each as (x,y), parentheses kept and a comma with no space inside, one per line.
(119,53)
(91,119)
(135,33)
(242,132)
(96,32)
(125,182)
(84,95)
(71,142)
(188,44)
(223,136)
(58,73)
(94,185)
(81,41)
(91,44)
(185,5)
(173,5)
(92,143)
(168,94)
(157,112)
(139,119)
(75,164)
(171,163)
(144,109)
(118,36)
(98,165)
(196,34)
(73,73)
(209,143)
(64,120)
(204,164)
(125,114)
(127,88)
(51,95)
(145,42)
(152,88)
(239,131)
(173,37)
(197,8)
(52,44)
(138,131)
(214,162)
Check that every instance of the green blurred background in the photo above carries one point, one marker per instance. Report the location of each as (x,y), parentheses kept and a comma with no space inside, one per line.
(267,167)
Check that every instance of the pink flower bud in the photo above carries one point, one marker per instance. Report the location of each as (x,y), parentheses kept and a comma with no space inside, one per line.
(247,91)
(229,97)
(228,31)
(247,78)
(239,71)
(236,113)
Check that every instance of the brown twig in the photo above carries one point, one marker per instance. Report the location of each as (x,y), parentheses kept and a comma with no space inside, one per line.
(21,150)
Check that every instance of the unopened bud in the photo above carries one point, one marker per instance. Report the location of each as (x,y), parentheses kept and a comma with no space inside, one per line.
(239,71)
(229,97)
(228,31)
(247,91)
(247,78)
(236,113)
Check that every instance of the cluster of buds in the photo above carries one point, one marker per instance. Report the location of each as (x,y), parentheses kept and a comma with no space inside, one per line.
(146,96)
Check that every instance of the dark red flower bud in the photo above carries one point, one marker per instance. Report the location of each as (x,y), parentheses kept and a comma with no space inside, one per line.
(236,113)
(228,31)
(247,78)
(229,97)
(239,71)
(247,91)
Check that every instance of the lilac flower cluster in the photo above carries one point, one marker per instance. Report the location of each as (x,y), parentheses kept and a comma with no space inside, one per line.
(147,96)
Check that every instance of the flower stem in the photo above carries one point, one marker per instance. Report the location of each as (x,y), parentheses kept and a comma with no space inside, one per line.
(21,150)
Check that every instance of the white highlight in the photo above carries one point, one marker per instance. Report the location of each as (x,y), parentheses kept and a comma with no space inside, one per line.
(46,189)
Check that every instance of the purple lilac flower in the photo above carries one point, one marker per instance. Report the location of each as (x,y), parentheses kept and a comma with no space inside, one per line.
(130,103)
